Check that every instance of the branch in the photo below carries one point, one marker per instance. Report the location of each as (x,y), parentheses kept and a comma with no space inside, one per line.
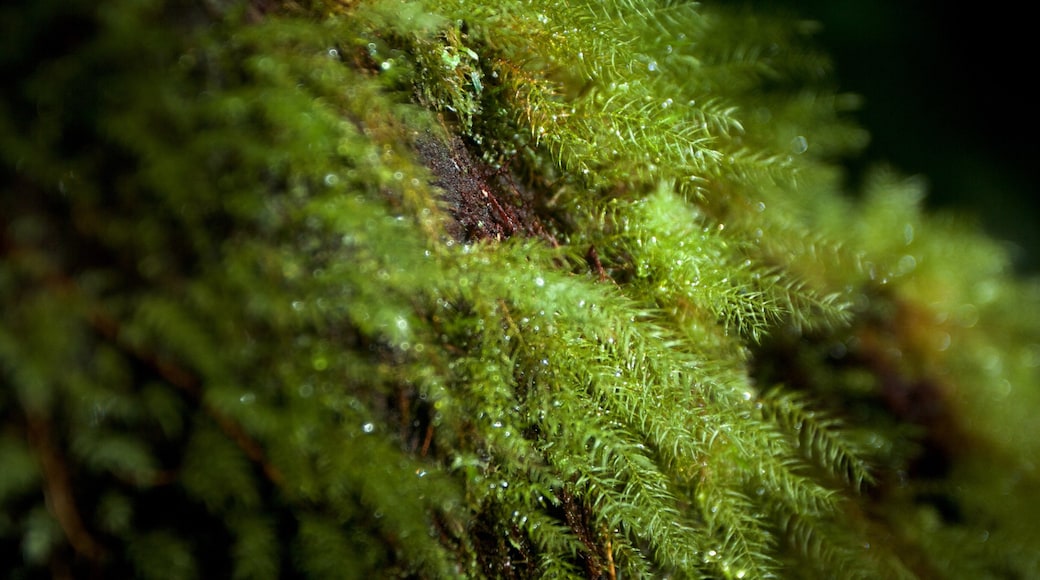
(58,490)
(184,380)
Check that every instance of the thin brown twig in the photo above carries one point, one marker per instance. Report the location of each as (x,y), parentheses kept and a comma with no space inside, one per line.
(189,383)
(109,328)
(58,490)
(427,440)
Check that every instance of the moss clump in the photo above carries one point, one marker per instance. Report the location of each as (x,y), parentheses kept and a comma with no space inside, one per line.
(439,289)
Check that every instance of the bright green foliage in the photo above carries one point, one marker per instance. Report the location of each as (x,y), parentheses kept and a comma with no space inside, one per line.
(242,336)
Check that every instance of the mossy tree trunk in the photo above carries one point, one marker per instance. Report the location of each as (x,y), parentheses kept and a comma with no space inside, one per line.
(453,289)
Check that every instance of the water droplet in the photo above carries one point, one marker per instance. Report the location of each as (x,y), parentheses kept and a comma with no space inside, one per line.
(906,264)
(368,427)
(331,179)
(247,399)
(539,281)
(943,341)
(333,53)
(908,234)
(420,472)
(667,103)
(652,66)
(799,145)
(386,64)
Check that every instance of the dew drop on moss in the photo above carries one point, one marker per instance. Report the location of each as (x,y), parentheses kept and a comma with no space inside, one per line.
(799,145)
(906,264)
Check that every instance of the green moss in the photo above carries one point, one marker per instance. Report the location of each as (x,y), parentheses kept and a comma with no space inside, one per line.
(444,290)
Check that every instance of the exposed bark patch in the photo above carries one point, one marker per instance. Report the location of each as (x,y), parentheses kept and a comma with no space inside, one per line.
(504,556)
(485,204)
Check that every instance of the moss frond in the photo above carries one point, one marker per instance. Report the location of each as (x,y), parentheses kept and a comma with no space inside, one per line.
(815,433)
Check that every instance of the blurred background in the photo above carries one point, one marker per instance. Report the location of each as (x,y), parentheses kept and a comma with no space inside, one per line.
(948,95)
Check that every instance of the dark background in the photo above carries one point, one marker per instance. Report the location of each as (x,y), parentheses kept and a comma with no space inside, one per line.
(949,94)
